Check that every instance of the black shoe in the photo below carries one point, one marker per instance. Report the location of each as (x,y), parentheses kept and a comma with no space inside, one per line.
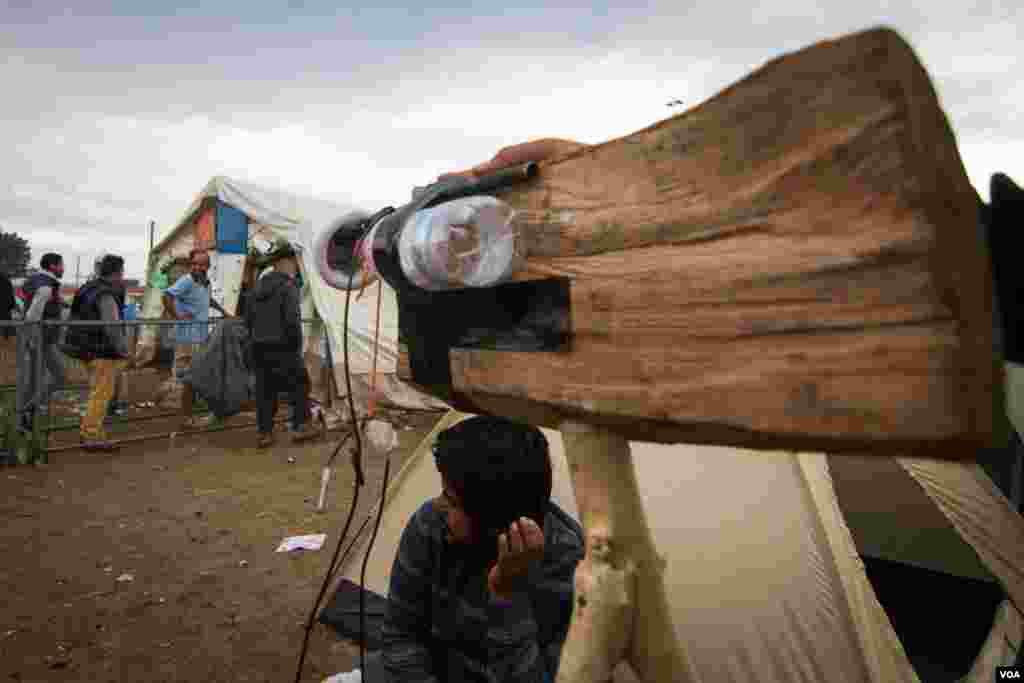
(25,422)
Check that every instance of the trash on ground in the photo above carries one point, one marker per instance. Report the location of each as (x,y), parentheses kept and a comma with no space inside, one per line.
(308,542)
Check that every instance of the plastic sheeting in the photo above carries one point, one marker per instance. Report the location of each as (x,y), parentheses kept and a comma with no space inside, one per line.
(275,213)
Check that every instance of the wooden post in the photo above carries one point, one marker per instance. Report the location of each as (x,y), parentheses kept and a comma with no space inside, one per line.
(621,610)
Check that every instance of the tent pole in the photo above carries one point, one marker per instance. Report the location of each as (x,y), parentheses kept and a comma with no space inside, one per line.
(621,609)
(1017,473)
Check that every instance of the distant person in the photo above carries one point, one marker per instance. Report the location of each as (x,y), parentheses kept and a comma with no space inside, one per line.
(249,278)
(7,304)
(44,304)
(118,406)
(188,301)
(274,322)
(103,347)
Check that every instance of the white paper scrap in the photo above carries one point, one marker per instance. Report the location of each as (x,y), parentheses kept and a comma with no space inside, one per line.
(309,542)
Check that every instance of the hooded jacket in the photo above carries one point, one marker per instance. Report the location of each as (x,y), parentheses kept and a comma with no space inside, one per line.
(272,313)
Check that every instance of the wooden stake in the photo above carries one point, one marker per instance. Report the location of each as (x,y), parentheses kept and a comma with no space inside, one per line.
(621,608)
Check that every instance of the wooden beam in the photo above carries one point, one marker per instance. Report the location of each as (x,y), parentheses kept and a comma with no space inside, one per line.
(795,263)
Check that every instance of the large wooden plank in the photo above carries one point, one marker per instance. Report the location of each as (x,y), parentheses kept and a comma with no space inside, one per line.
(794,263)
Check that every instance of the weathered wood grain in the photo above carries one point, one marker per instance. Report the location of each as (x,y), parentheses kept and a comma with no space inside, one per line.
(794,263)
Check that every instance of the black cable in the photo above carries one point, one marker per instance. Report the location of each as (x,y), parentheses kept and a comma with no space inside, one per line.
(357,457)
(357,466)
(323,586)
(351,544)
(362,573)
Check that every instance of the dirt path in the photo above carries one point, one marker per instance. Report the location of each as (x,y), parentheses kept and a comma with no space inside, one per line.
(195,528)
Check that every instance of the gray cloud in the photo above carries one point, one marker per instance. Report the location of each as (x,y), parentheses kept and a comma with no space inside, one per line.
(113,121)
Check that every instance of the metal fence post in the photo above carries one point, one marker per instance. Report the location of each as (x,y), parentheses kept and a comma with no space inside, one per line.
(37,387)
(223,361)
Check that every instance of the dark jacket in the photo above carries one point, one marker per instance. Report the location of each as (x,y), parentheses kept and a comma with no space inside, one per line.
(91,341)
(272,314)
(7,303)
(53,309)
(441,624)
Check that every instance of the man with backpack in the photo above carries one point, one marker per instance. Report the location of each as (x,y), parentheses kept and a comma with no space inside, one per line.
(118,406)
(104,348)
(44,304)
(274,321)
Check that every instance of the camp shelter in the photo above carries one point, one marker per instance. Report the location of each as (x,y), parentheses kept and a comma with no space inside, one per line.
(787,567)
(230,218)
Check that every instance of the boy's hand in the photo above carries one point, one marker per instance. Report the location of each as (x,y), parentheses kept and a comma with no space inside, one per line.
(518,550)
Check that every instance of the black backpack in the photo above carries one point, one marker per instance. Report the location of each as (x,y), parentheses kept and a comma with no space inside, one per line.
(80,340)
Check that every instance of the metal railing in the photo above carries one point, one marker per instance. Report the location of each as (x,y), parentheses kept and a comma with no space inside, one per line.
(44,390)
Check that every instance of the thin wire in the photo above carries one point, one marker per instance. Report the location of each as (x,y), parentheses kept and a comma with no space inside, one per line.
(376,346)
(326,582)
(357,466)
(362,573)
(380,503)
(357,457)
(351,545)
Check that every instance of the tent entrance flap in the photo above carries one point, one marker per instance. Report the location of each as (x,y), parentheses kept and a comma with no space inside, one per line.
(919,603)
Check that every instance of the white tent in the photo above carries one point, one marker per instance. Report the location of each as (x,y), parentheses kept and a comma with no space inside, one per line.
(275,214)
(765,573)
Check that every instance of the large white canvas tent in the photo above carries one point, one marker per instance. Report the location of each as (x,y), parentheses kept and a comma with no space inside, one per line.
(767,560)
(229,217)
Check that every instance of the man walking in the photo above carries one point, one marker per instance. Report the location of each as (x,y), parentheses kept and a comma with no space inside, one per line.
(44,303)
(105,346)
(188,301)
(274,322)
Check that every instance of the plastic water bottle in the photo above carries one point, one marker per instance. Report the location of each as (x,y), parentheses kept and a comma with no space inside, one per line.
(468,242)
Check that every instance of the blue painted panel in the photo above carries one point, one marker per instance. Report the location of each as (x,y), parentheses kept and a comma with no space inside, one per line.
(232,230)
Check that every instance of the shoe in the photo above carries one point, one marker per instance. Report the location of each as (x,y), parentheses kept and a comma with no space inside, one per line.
(304,433)
(266,440)
(98,446)
(25,423)
(193,423)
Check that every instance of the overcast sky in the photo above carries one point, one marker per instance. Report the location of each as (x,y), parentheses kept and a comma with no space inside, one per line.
(112,118)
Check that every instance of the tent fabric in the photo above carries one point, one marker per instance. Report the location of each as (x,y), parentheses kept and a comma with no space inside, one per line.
(277,214)
(883,653)
(1001,647)
(982,515)
(763,570)
(874,491)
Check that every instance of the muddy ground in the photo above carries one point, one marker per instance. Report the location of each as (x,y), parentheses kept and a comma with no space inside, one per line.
(190,529)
